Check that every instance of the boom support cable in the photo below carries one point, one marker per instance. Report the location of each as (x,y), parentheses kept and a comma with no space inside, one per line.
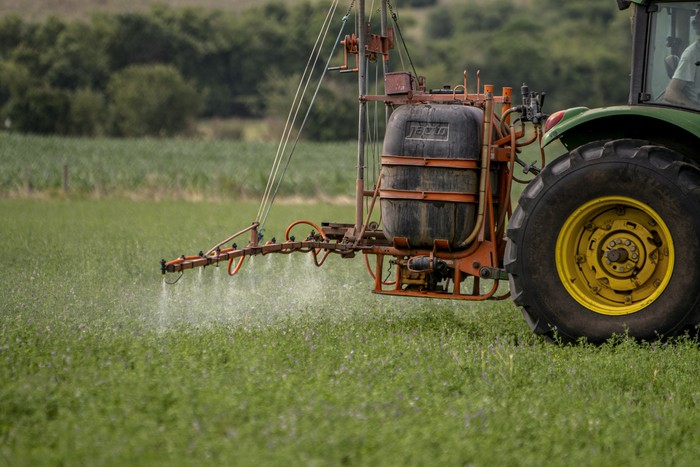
(303,123)
(395,18)
(296,106)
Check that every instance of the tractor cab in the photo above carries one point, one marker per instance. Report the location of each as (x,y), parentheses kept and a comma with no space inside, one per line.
(667,55)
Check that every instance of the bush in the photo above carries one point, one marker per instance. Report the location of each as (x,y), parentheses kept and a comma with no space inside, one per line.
(151,100)
(40,110)
(14,80)
(420,3)
(334,113)
(88,113)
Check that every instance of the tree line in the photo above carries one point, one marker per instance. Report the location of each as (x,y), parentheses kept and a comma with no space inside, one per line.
(153,73)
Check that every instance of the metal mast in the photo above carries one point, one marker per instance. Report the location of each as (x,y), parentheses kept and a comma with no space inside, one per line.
(361,124)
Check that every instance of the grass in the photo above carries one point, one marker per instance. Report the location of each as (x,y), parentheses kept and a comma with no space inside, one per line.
(102,364)
(183,169)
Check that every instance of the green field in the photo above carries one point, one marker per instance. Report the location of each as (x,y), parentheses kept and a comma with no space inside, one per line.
(101,363)
(172,169)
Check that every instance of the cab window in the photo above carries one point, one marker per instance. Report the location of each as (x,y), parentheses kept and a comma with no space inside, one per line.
(673,55)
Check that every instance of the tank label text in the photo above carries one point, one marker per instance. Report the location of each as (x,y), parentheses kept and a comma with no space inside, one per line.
(427,131)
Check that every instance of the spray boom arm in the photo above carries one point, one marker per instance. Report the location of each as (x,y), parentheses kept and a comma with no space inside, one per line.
(317,243)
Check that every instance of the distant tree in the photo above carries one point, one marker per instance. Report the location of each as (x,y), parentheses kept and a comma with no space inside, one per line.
(34,51)
(138,38)
(419,3)
(517,56)
(151,100)
(333,116)
(440,23)
(88,113)
(14,80)
(78,59)
(13,31)
(577,51)
(40,109)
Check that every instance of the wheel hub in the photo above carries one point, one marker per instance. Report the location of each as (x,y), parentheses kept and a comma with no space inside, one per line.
(614,255)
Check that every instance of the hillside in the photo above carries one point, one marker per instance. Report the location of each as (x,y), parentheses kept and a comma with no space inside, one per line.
(40,9)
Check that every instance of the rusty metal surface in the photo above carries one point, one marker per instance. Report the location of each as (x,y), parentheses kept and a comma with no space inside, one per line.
(430,162)
(448,265)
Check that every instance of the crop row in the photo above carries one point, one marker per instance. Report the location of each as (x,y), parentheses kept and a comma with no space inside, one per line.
(153,168)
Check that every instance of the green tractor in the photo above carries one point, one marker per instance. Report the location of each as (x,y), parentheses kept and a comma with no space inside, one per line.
(606,240)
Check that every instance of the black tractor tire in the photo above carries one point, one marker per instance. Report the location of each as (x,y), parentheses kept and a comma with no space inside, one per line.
(606,241)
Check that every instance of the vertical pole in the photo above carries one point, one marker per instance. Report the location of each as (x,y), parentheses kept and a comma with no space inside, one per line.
(507,101)
(65,177)
(385,62)
(378,271)
(361,129)
(27,182)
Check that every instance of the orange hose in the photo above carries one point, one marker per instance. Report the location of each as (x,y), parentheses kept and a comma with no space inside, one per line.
(237,267)
(323,259)
(295,223)
(369,269)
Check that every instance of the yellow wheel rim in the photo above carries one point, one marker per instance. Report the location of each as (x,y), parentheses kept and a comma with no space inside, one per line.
(615,255)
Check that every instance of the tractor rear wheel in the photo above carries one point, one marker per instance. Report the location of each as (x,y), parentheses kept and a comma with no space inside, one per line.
(607,241)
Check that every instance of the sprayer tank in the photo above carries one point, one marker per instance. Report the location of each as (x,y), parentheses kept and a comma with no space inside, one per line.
(429,174)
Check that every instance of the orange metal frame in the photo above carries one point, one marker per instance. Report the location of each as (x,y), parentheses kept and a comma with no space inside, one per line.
(479,259)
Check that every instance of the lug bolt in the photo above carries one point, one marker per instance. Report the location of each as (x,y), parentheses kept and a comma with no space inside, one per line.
(628,299)
(657,282)
(627,242)
(580,259)
(611,244)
